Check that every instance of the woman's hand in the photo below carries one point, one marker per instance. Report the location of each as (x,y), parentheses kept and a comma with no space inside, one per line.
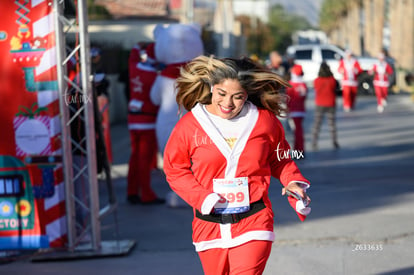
(295,187)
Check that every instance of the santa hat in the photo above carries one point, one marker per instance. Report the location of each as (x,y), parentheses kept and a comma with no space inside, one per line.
(297,70)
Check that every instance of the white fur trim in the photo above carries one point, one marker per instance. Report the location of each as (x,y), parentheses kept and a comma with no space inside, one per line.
(232,156)
(296,78)
(304,185)
(381,83)
(351,83)
(302,208)
(225,231)
(232,242)
(209,203)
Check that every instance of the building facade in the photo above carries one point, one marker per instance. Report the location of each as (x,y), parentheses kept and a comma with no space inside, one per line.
(370,25)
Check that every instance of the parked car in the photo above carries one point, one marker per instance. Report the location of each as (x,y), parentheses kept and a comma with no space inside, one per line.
(311,56)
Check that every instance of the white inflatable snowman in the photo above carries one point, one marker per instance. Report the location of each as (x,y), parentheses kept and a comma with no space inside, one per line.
(175,45)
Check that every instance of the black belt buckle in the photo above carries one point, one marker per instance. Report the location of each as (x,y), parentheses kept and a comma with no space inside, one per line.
(228,218)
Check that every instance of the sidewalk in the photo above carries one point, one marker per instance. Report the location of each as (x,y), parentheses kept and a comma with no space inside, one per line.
(362,219)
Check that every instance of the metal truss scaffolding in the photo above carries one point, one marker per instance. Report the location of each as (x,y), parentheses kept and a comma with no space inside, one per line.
(84,210)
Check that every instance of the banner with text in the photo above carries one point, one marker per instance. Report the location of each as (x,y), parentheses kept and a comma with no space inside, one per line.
(32,201)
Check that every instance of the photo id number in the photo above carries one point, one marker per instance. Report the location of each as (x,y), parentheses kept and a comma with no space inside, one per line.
(367,247)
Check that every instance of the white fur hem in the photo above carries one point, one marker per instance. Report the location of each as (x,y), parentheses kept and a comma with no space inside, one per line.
(227,243)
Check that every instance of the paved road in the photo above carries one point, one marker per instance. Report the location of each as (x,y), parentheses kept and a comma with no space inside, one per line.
(362,219)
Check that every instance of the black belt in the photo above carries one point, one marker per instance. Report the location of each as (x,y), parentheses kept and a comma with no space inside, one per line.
(232,218)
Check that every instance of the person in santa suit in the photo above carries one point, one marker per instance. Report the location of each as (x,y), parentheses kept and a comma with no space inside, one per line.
(297,93)
(142,114)
(350,69)
(220,158)
(382,72)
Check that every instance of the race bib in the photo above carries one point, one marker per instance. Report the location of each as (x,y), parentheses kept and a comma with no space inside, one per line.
(234,195)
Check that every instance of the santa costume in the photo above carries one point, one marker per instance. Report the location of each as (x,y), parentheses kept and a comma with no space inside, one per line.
(198,159)
(382,72)
(142,114)
(296,104)
(350,69)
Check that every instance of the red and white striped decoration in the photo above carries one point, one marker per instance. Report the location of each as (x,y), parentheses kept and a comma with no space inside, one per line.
(53,214)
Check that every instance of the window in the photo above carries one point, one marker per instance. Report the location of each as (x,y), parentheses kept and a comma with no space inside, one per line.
(330,54)
(11,186)
(303,54)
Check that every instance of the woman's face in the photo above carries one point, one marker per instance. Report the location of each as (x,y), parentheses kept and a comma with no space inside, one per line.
(228,98)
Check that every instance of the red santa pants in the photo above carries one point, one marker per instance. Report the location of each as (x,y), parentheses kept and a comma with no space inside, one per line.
(141,162)
(381,93)
(349,94)
(246,259)
(299,143)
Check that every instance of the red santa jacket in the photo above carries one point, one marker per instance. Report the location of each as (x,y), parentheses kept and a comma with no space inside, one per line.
(325,91)
(196,154)
(142,113)
(382,72)
(297,96)
(350,69)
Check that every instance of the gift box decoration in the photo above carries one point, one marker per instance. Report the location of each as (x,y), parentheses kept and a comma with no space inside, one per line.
(32,132)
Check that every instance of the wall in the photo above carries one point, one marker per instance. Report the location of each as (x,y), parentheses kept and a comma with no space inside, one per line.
(397,15)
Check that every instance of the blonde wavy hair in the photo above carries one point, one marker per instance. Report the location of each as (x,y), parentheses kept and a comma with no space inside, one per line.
(196,79)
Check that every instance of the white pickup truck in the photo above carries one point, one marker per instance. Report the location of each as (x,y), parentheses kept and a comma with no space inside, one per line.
(311,56)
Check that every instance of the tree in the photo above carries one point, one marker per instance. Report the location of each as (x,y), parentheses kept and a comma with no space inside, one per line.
(259,38)
(97,12)
(283,25)
(331,12)
(274,35)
